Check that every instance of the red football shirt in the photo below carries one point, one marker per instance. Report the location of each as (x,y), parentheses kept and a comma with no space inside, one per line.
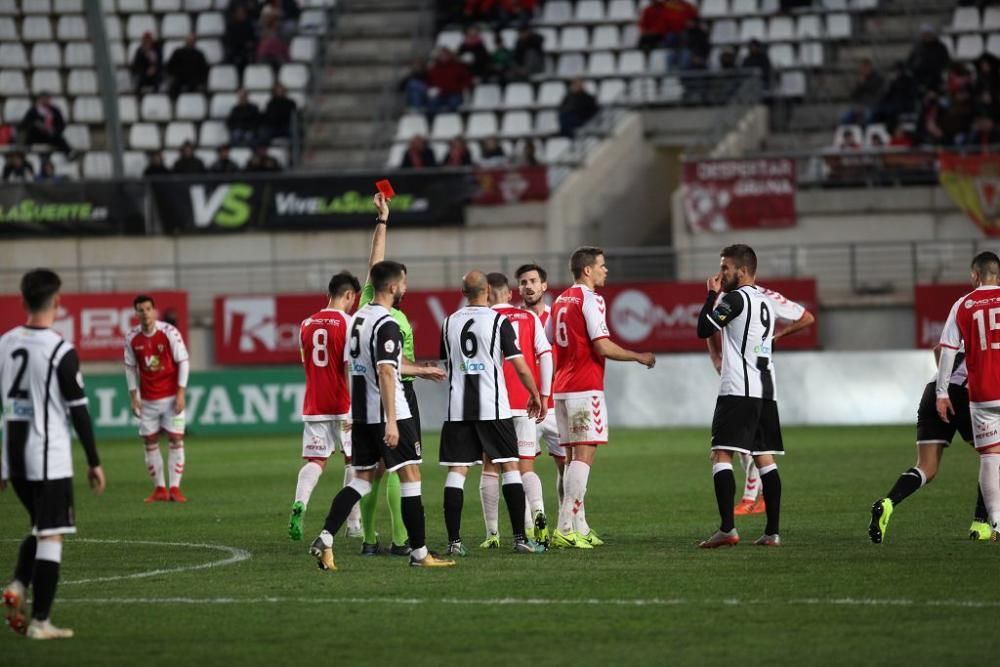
(544,317)
(975,319)
(578,319)
(533,343)
(322,340)
(156,357)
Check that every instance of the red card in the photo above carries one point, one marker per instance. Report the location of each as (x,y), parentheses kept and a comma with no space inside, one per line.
(385,188)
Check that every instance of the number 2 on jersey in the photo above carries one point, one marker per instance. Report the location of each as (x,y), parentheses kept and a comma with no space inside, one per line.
(15,388)
(980,319)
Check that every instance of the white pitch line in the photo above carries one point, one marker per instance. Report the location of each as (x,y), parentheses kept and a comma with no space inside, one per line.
(491,602)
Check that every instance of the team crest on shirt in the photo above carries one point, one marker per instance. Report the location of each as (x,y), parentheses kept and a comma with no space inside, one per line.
(416,446)
(390,346)
(580,422)
(159,347)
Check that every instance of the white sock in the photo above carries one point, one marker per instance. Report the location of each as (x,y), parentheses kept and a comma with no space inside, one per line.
(566,506)
(308,478)
(533,491)
(579,491)
(175,461)
(354,518)
(489,496)
(50,550)
(751,483)
(154,464)
(989,482)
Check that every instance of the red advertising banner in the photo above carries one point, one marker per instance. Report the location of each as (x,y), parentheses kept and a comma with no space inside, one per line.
(720,195)
(96,323)
(931,304)
(654,316)
(511,185)
(973,183)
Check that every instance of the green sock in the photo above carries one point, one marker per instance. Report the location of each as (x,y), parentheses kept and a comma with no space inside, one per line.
(395,498)
(368,505)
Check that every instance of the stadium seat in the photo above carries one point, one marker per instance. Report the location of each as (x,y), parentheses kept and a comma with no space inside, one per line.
(71,28)
(811,54)
(156,107)
(191,106)
(97,165)
(117,50)
(991,18)
(711,9)
(169,46)
(792,84)
(82,82)
(313,22)
(630,35)
(573,38)
(210,24)
(843,131)
(447,126)
(770,6)
(36,29)
(88,109)
(197,5)
(36,6)
(610,91)
(260,98)
(809,27)
(258,77)
(12,83)
(113,29)
(133,6)
(212,48)
(557,12)
(590,11)
(571,65)
(725,31)
(8,29)
(294,76)
(781,29)
(165,6)
(672,90)
(605,37)
(864,5)
(78,136)
(624,10)
(303,49)
(67,7)
(517,95)
(175,26)
(395,156)
(551,93)
(876,135)
(449,39)
(128,109)
(79,54)
(555,148)
(631,62)
(550,37)
(835,5)
(138,24)
(753,29)
(144,137)
(222,78)
(546,123)
(213,134)
(642,89)
(486,96)
(782,55)
(411,125)
(993,44)
(965,19)
(601,64)
(658,61)
(12,56)
(744,7)
(46,54)
(8,8)
(838,26)
(221,105)
(481,124)
(134,163)
(46,80)
(178,133)
(969,47)
(14,108)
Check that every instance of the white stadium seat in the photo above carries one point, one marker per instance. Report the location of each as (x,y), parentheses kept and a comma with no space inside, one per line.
(36,29)
(610,91)
(221,105)
(175,26)
(605,37)
(156,107)
(811,54)
(12,82)
(792,84)
(590,11)
(46,80)
(782,55)
(178,133)
(113,29)
(781,29)
(313,22)
(672,90)
(14,108)
(446,126)
(601,64)
(965,19)
(516,124)
(212,48)
(482,124)
(13,56)
(558,12)
(88,109)
(753,29)
(631,62)
(46,54)
(993,44)
(79,54)
(191,106)
(97,165)
(67,7)
(624,10)
(838,26)
(303,49)
(571,65)
(551,93)
(78,136)
(133,6)
(450,39)
(294,76)
(546,123)
(8,29)
(744,7)
(573,38)
(134,163)
(658,61)
(165,6)
(198,5)
(486,96)
(969,47)
(222,78)
(128,109)
(517,95)
(82,82)
(36,6)
(212,134)
(809,27)
(138,24)
(71,28)
(711,9)
(555,148)
(991,19)
(210,24)
(144,137)
(411,125)
(725,31)
(258,77)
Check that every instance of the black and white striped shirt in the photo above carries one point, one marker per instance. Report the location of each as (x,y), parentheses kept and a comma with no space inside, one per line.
(475,341)
(375,340)
(746,318)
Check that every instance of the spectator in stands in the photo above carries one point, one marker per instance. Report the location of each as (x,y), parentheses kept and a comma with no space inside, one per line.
(16,169)
(414,85)
(188,162)
(286,15)
(491,152)
(576,108)
(849,141)
(865,95)
(451,78)
(517,13)
(900,97)
(529,53)
(244,121)
(987,87)
(502,61)
(240,39)
(47,172)
(474,54)
(44,124)
(983,135)
(957,117)
(727,59)
(901,138)
(187,69)
(528,156)
(929,132)
(272,49)
(458,154)
(147,65)
(662,22)
(693,49)
(154,165)
(928,59)
(279,114)
(759,60)
(959,78)
(262,161)
(418,154)
(223,163)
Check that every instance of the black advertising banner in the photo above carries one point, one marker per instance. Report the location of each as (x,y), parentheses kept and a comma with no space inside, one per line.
(276,202)
(52,209)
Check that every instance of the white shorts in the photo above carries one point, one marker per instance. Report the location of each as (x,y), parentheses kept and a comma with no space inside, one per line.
(582,418)
(527,437)
(159,415)
(549,430)
(985,426)
(321,439)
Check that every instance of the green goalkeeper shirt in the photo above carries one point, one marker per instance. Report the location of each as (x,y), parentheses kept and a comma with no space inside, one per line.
(367,294)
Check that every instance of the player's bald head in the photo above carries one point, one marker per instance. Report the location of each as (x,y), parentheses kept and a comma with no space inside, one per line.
(474,285)
(499,288)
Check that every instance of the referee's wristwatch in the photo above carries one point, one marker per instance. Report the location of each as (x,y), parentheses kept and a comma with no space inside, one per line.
(380,221)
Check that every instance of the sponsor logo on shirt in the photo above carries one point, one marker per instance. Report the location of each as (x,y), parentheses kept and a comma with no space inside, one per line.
(473,367)
(762,350)
(152,362)
(358,369)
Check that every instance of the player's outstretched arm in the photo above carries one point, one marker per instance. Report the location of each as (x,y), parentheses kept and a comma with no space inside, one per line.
(806,320)
(615,352)
(536,408)
(377,253)
(426,372)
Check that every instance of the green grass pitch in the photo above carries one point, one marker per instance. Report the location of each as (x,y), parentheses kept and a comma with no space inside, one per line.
(926,596)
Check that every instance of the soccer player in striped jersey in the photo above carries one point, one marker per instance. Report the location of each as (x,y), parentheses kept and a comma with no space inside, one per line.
(326,405)
(795,318)
(475,342)
(746,413)
(156,370)
(41,394)
(537,354)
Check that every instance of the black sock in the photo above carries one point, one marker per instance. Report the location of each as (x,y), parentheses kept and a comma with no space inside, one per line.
(906,485)
(412,508)
(26,559)
(513,496)
(771,484)
(725,490)
(981,513)
(46,580)
(342,504)
(454,498)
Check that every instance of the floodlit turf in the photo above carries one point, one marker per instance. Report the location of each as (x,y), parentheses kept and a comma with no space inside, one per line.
(926,596)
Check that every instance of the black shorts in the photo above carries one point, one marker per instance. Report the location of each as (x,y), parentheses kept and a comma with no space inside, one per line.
(931,430)
(368,447)
(411,400)
(747,425)
(467,443)
(49,504)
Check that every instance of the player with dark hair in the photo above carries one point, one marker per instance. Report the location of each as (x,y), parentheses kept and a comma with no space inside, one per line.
(383,428)
(579,329)
(157,369)
(41,393)
(326,405)
(746,413)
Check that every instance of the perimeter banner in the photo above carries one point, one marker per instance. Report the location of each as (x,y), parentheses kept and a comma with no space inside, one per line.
(72,209)
(720,195)
(931,305)
(973,183)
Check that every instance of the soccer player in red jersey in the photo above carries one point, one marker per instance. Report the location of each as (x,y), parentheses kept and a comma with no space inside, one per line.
(326,406)
(975,321)
(156,369)
(580,332)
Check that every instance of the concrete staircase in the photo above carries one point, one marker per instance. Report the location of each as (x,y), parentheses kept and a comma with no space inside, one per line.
(369,50)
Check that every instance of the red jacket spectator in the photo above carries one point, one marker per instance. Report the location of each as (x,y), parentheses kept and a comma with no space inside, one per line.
(449,75)
(663,17)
